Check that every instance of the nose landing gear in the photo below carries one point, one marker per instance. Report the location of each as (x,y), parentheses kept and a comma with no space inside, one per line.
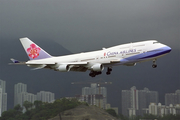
(154,63)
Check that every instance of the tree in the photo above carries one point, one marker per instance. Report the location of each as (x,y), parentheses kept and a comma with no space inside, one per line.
(41,111)
(27,105)
(18,108)
(111,112)
(8,114)
(149,116)
(38,104)
(122,117)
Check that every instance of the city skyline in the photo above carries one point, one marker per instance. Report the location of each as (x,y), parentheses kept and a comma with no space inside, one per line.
(46,96)
(139,102)
(21,95)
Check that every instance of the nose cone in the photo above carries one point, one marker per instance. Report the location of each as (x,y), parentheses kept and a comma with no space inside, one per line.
(167,49)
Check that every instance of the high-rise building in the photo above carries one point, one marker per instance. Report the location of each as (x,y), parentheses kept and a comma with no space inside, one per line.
(135,102)
(126,101)
(19,89)
(94,89)
(0,101)
(3,97)
(45,96)
(172,98)
(153,109)
(25,96)
(97,92)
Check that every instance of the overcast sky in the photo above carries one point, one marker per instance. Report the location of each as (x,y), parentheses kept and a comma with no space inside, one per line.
(85,25)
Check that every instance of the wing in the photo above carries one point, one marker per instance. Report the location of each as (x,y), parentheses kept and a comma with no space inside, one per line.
(70,66)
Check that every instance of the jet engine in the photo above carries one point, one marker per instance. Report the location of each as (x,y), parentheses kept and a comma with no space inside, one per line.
(63,68)
(97,67)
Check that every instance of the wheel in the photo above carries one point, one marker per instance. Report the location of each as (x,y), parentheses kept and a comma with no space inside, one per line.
(154,65)
(108,73)
(109,69)
(92,74)
(98,73)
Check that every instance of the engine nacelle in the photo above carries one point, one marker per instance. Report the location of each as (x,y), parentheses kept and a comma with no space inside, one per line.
(97,67)
(63,68)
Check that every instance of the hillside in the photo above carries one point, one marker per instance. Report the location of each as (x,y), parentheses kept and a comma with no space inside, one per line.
(83,112)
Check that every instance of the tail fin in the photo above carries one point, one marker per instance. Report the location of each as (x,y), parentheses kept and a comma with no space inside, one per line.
(33,51)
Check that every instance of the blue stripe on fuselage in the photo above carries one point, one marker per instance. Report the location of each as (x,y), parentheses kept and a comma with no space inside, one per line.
(148,54)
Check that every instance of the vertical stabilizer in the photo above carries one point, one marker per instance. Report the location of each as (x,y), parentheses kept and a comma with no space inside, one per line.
(33,51)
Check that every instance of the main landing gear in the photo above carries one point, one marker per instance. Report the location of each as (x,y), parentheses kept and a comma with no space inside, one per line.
(94,73)
(108,71)
(154,63)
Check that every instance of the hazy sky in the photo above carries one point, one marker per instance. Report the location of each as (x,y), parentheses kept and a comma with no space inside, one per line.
(84,25)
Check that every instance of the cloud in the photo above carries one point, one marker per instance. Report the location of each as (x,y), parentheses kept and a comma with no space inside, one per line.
(88,25)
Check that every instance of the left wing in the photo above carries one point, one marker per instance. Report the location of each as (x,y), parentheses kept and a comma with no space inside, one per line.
(71,66)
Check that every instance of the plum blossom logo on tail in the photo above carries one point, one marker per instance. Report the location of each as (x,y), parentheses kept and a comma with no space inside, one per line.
(33,51)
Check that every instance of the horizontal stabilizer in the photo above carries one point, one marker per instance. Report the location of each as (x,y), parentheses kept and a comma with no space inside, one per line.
(16,62)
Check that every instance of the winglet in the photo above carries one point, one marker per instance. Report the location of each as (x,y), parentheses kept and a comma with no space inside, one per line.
(33,51)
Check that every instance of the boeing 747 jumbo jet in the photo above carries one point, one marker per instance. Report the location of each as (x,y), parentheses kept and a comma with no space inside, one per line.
(95,61)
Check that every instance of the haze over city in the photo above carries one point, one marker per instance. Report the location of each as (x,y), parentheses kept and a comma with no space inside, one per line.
(66,27)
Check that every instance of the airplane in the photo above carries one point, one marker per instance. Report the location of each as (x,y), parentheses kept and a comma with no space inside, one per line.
(94,61)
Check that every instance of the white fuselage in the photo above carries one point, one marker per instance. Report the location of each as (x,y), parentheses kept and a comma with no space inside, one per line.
(126,54)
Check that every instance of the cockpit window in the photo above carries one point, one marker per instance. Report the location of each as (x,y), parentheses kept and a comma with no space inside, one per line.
(155,42)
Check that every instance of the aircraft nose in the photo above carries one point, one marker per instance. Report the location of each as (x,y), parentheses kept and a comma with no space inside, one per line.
(167,49)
